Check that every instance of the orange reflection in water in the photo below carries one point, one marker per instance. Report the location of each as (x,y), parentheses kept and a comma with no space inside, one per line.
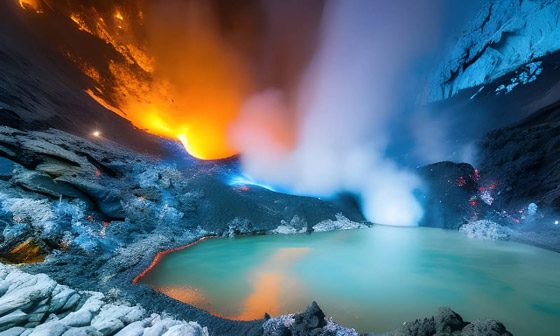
(269,281)
(185,294)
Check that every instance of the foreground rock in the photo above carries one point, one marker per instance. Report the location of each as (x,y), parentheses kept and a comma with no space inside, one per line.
(37,305)
(445,322)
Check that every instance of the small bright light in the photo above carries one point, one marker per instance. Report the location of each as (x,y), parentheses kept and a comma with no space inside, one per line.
(556,222)
(96,133)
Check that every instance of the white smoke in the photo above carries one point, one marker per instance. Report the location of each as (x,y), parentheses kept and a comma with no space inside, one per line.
(333,135)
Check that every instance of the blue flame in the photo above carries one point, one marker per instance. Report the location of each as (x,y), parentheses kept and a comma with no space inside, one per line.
(242,180)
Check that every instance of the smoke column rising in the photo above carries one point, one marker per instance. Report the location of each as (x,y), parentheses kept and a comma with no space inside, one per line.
(349,95)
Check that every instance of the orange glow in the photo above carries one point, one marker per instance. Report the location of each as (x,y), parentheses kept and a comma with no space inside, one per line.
(103,103)
(268,284)
(183,83)
(185,294)
(31,4)
(263,299)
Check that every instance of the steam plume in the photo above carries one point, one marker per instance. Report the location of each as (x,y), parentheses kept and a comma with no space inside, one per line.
(350,95)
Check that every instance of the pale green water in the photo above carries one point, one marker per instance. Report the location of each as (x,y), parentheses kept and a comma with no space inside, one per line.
(371,279)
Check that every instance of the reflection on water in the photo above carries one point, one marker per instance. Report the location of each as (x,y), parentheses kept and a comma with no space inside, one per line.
(267,281)
(186,294)
(372,280)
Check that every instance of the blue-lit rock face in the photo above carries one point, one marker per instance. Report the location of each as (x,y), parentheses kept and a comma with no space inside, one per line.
(505,35)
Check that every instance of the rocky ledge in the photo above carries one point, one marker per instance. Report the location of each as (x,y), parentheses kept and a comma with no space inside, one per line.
(515,192)
(36,305)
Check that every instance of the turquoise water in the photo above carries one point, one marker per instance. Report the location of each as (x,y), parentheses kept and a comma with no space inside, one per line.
(371,280)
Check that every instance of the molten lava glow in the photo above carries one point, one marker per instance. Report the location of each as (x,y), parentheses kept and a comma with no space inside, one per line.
(31,4)
(178,82)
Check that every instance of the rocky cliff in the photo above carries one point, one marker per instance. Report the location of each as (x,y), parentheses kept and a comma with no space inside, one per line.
(505,35)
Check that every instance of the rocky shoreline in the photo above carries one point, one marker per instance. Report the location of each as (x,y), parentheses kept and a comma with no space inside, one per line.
(98,214)
(33,305)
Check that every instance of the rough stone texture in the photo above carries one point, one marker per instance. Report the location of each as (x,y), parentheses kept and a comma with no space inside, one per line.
(444,322)
(311,322)
(505,35)
(447,322)
(524,163)
(341,223)
(485,229)
(92,314)
(489,328)
(525,160)
(449,189)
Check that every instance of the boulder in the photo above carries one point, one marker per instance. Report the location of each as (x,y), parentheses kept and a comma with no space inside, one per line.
(52,328)
(22,294)
(133,329)
(14,318)
(486,328)
(15,331)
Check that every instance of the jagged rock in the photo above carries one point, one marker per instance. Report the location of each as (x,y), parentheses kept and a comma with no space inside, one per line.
(449,188)
(22,294)
(310,322)
(306,322)
(485,328)
(341,223)
(505,35)
(447,322)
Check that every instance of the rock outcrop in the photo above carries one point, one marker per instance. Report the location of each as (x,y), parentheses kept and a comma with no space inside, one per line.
(448,322)
(36,305)
(523,161)
(444,322)
(450,189)
(505,35)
